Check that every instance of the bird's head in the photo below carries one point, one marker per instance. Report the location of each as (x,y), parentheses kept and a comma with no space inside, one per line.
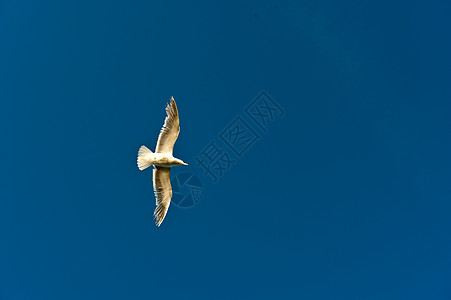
(181,162)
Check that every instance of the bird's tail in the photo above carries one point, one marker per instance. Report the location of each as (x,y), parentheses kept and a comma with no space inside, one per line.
(142,162)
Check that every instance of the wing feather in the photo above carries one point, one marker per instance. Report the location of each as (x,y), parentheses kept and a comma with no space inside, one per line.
(170,130)
(163,192)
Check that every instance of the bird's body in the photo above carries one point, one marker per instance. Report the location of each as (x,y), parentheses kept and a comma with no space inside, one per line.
(162,160)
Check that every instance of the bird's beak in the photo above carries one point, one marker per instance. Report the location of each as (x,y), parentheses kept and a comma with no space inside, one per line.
(185,164)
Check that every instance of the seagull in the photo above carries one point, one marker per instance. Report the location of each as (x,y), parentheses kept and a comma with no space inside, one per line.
(162,160)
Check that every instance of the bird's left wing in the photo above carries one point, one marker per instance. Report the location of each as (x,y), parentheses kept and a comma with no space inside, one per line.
(170,130)
(163,192)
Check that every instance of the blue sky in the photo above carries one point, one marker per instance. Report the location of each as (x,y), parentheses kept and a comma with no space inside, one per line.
(344,195)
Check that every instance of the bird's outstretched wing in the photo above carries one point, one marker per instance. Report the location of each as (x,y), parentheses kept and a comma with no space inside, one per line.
(163,192)
(170,130)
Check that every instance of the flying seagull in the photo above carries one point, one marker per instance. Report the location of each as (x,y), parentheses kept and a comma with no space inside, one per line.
(162,160)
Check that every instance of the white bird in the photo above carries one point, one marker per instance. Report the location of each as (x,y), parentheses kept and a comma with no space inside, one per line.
(162,160)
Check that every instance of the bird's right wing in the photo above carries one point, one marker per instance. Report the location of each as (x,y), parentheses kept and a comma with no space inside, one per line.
(170,130)
(163,192)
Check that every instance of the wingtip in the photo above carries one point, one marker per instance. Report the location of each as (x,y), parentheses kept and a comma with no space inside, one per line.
(158,222)
(171,103)
(159,214)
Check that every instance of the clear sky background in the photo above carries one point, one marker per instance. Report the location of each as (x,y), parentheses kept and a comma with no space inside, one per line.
(345,196)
